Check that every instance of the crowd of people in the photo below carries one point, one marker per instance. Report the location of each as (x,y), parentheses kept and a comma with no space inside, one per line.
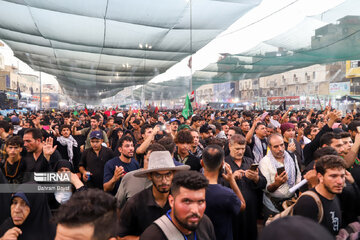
(218,174)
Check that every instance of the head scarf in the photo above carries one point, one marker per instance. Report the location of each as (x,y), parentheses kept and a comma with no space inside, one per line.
(37,225)
(286,126)
(63,163)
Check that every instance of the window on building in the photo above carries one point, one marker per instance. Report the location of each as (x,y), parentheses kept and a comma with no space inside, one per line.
(295,78)
(314,75)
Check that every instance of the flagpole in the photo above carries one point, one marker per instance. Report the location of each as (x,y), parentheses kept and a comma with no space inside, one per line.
(40,91)
(190,80)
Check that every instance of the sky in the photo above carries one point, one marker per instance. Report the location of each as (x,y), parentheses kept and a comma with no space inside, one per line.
(11,60)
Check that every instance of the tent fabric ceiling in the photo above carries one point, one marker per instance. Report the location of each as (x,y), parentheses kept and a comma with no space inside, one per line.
(329,36)
(92,46)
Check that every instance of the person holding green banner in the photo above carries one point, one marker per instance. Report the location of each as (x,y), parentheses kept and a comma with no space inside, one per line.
(187,111)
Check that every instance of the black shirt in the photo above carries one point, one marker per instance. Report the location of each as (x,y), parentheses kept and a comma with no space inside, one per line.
(139,212)
(64,154)
(205,230)
(246,221)
(95,164)
(14,173)
(307,207)
(311,147)
(190,160)
(41,164)
(221,205)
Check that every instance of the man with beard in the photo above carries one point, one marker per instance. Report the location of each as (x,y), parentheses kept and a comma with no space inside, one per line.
(245,127)
(186,217)
(41,156)
(331,173)
(257,142)
(117,167)
(150,204)
(281,173)
(206,133)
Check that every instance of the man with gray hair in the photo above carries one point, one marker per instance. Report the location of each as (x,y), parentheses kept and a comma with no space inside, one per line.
(251,183)
(150,204)
(281,173)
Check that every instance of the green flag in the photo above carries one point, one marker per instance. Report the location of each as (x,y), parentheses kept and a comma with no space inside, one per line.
(187,111)
(75,113)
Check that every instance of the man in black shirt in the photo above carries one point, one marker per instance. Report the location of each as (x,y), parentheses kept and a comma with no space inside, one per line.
(68,146)
(14,166)
(41,156)
(311,147)
(257,141)
(222,203)
(331,173)
(183,141)
(93,161)
(186,217)
(148,205)
(251,182)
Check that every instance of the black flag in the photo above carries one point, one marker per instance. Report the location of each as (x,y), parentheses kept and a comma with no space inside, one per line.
(18,91)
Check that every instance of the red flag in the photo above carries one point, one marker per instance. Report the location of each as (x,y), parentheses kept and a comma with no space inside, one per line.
(86,110)
(117,107)
(192,96)
(156,110)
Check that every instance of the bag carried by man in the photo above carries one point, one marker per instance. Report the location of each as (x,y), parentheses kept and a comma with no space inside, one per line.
(288,209)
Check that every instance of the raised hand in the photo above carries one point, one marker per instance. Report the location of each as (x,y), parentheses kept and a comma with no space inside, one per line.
(48,148)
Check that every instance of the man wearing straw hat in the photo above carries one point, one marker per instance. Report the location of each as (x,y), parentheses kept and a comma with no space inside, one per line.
(150,204)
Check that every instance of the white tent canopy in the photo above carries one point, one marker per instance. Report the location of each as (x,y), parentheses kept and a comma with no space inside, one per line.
(96,48)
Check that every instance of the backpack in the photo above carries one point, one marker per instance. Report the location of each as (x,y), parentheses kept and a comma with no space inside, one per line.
(168,228)
(289,209)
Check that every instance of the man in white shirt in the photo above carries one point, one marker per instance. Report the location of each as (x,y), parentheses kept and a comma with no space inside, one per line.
(281,173)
